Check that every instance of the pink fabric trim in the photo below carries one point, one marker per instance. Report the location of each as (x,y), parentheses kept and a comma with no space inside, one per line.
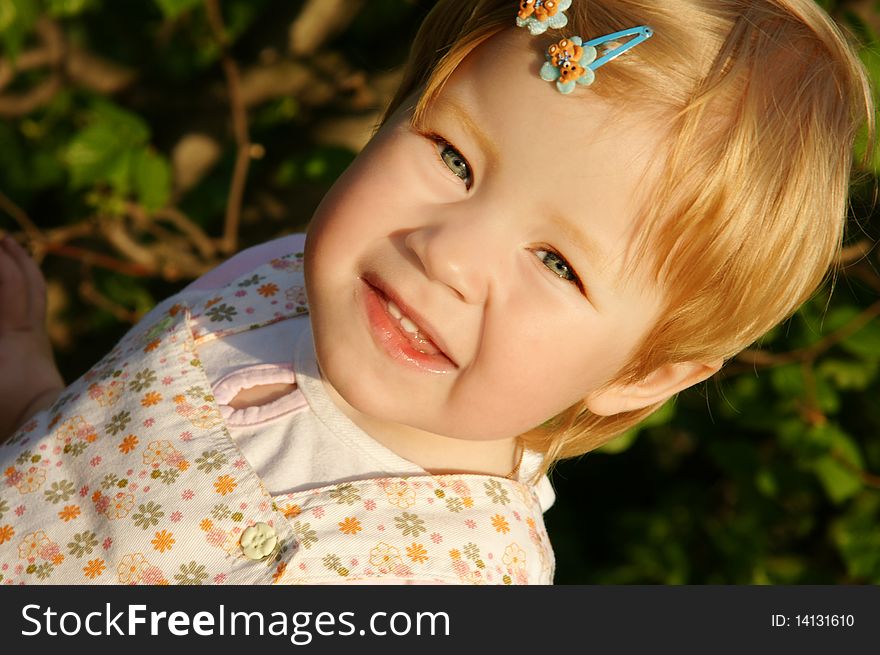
(246,261)
(229,385)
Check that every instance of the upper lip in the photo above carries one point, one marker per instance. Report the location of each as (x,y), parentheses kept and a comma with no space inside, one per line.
(423,324)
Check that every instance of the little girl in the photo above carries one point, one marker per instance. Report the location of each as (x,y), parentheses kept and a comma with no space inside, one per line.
(533,253)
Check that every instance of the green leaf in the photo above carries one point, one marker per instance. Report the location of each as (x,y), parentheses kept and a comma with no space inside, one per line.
(119,172)
(839,482)
(131,128)
(68,7)
(838,318)
(620,443)
(8,15)
(45,170)
(766,483)
(865,342)
(152,179)
(173,8)
(102,151)
(860,149)
(626,439)
(849,374)
(857,537)
(860,27)
(17,19)
(788,380)
(870,56)
(663,415)
(129,292)
(93,154)
(839,470)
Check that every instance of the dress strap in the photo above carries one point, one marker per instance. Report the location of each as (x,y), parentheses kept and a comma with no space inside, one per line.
(229,386)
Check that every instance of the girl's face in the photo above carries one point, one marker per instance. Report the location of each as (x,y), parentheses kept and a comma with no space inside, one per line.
(465,278)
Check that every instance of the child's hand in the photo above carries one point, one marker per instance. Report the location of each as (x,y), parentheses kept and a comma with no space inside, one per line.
(29,379)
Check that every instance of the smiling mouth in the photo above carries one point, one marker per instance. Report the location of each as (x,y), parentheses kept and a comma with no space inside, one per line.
(400,335)
(419,340)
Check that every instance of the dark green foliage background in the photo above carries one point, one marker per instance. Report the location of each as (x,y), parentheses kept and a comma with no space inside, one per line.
(768,474)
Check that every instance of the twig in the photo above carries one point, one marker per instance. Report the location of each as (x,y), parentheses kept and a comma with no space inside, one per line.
(318,21)
(54,242)
(89,292)
(116,233)
(203,243)
(843,332)
(867,478)
(866,273)
(812,413)
(13,106)
(90,258)
(51,54)
(229,242)
(750,359)
(855,252)
(24,221)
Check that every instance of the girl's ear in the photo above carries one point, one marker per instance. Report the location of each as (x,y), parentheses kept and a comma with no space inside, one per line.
(663,383)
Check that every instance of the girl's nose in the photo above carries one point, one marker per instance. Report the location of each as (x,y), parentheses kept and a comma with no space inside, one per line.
(456,255)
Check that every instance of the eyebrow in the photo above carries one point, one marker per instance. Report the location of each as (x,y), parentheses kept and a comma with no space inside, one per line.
(486,144)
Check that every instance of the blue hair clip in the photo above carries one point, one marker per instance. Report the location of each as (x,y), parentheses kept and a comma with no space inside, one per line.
(571,62)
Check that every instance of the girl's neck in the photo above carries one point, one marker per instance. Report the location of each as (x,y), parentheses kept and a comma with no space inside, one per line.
(435,453)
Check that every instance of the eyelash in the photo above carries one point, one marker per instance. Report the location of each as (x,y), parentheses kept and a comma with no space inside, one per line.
(444,145)
(574,279)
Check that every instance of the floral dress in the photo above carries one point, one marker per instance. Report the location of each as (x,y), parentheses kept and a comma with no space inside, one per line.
(131,477)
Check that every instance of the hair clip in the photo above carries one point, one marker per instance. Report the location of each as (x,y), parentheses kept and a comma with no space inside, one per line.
(540,15)
(571,61)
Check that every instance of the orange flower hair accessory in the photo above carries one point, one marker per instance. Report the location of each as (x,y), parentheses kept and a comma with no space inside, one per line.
(571,62)
(541,15)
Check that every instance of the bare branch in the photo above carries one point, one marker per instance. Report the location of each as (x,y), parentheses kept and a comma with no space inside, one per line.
(203,243)
(856,251)
(318,21)
(755,358)
(20,216)
(89,292)
(91,258)
(868,479)
(229,242)
(285,78)
(95,73)
(21,104)
(50,52)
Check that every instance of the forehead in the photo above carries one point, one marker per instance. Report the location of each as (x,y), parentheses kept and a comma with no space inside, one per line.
(574,156)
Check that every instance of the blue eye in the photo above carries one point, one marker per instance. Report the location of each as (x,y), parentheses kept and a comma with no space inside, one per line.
(558,266)
(454,161)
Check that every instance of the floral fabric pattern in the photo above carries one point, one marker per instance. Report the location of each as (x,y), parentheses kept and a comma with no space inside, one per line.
(132,478)
(446,528)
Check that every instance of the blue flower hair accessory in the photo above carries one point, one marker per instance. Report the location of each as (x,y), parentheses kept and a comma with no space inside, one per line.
(571,62)
(540,15)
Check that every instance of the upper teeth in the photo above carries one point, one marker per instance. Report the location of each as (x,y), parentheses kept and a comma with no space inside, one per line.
(405,323)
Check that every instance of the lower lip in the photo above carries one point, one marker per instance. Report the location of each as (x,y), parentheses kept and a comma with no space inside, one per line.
(389,335)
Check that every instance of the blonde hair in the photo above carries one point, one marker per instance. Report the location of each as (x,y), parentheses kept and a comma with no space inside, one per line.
(764,99)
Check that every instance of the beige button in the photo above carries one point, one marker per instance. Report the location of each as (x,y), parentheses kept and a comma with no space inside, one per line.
(258,541)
